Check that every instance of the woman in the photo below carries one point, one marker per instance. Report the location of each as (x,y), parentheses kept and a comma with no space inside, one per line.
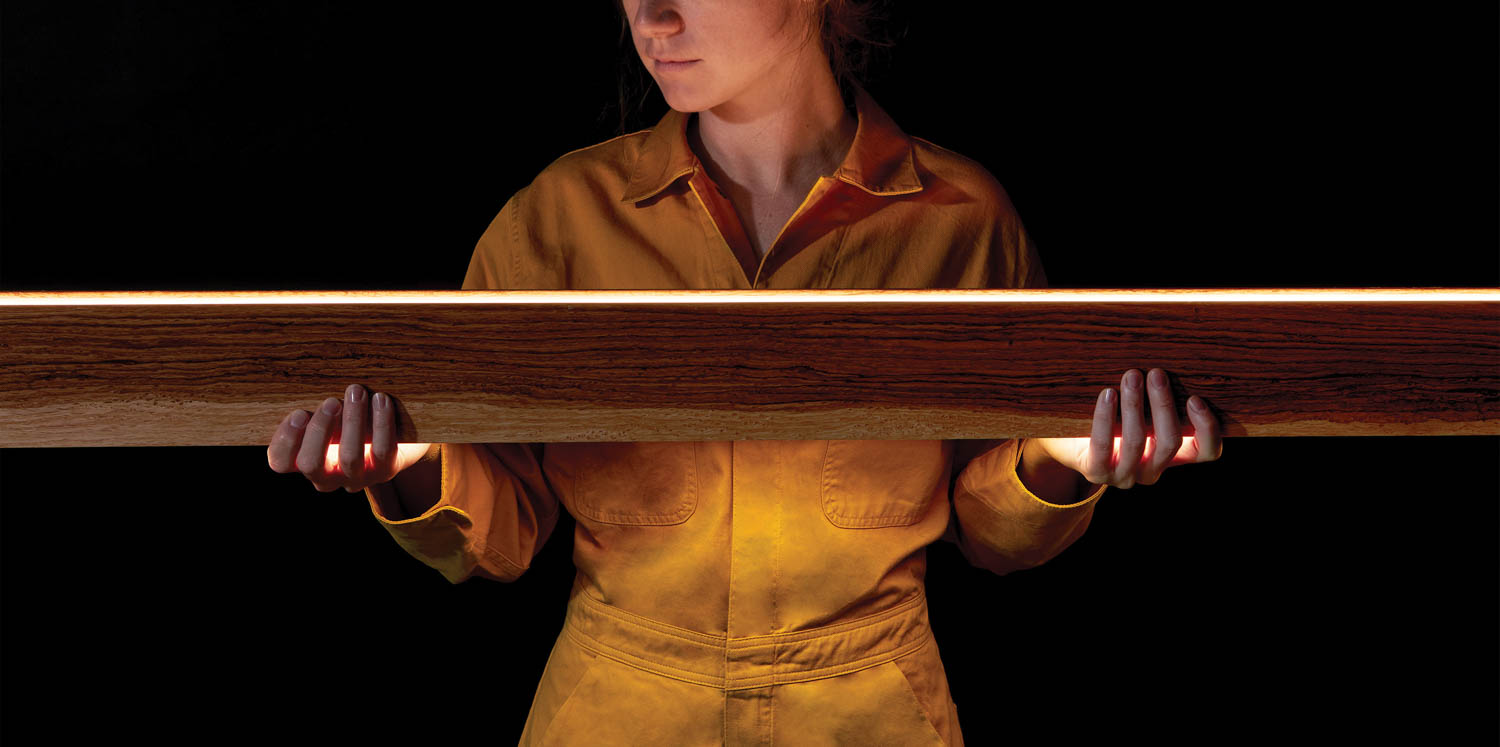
(747,591)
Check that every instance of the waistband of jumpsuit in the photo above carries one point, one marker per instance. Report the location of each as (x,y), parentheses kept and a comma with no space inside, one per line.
(750,661)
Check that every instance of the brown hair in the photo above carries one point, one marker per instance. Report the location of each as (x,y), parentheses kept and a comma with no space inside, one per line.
(847,29)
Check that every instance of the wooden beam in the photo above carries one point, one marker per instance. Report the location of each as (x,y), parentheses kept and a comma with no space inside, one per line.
(222,369)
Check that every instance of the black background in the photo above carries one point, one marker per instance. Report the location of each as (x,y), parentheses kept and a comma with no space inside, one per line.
(1298,587)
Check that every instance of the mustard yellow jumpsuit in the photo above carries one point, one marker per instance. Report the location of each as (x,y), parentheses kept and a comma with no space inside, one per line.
(745,592)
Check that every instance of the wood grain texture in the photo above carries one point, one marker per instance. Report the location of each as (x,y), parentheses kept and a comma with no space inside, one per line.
(222,369)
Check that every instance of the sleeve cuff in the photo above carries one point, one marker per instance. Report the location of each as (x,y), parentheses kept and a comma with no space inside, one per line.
(1086,501)
(440,538)
(1020,487)
(382,518)
(998,472)
(385,493)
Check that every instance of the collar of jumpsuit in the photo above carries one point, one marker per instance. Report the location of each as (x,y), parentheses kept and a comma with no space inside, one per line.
(745,592)
(880,162)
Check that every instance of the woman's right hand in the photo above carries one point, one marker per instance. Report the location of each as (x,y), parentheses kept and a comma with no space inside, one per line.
(305,448)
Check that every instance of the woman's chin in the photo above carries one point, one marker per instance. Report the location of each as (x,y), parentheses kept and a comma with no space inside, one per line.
(684,101)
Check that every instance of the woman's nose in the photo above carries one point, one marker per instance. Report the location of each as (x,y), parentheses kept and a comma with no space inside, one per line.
(657,18)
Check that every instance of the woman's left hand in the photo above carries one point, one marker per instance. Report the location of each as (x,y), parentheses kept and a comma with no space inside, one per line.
(1123,462)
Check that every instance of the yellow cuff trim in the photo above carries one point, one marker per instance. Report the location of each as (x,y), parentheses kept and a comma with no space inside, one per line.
(428,514)
(1083,502)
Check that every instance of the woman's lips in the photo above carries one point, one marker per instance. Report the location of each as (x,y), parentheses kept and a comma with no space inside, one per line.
(670,66)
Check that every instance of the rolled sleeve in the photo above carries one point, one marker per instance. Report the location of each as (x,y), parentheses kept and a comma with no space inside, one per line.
(1000,525)
(495,513)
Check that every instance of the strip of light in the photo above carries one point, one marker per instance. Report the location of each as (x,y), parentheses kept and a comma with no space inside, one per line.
(331,456)
(829,295)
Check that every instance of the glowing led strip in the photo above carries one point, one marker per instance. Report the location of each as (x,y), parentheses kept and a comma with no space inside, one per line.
(829,295)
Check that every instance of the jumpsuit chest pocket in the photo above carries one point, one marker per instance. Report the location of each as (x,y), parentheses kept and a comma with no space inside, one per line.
(640,483)
(883,483)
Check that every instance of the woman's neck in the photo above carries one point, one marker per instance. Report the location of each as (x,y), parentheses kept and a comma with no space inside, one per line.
(778,137)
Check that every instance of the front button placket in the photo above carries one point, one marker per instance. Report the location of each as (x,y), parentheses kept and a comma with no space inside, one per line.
(756,516)
(819,188)
(812,197)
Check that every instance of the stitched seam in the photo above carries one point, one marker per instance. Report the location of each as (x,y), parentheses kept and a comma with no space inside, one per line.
(778,642)
(687,504)
(717,644)
(591,510)
(709,213)
(568,700)
(921,708)
(636,662)
(879,194)
(833,670)
(780,488)
(672,631)
(729,595)
(843,520)
(668,183)
(515,240)
(813,197)
(628,518)
(485,549)
(436,509)
(753,642)
(965,482)
(874,522)
(646,131)
(838,252)
(742,683)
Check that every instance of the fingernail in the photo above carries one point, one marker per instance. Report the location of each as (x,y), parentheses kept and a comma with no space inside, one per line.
(380,400)
(1158,378)
(299,419)
(1109,396)
(1196,404)
(331,406)
(356,393)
